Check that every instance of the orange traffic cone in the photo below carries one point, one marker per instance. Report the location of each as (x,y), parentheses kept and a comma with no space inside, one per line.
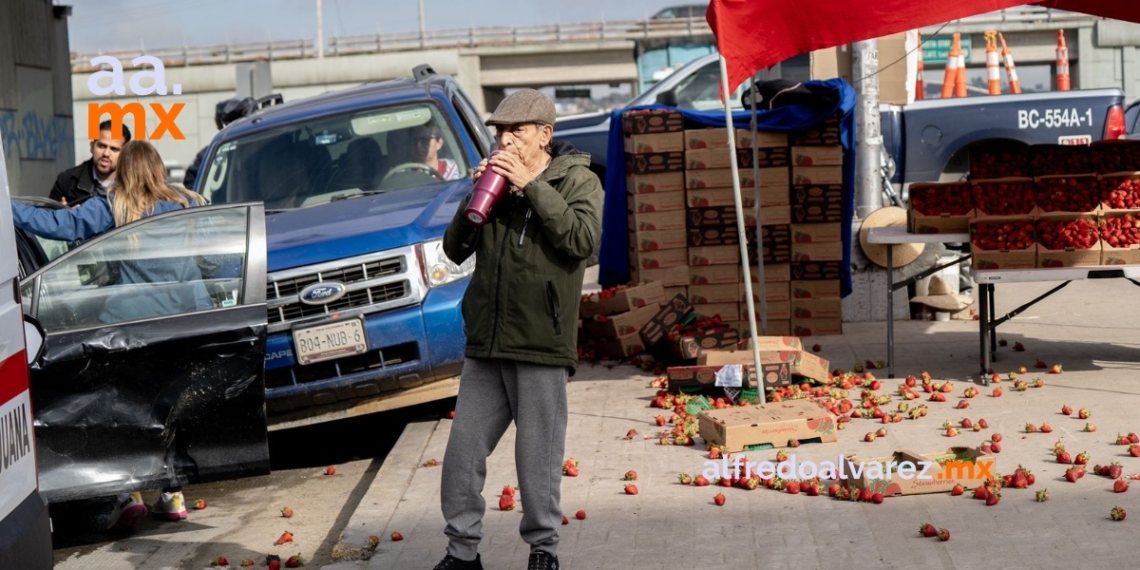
(919,84)
(960,84)
(1063,80)
(1010,68)
(952,67)
(993,64)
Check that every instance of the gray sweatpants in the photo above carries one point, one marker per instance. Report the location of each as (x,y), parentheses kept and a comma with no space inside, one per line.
(492,393)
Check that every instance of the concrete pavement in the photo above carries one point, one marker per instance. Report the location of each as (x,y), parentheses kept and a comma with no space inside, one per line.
(1088,327)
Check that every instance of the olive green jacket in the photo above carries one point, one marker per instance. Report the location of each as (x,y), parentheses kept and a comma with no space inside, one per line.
(530,260)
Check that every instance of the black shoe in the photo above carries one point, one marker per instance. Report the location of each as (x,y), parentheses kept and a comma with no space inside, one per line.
(542,561)
(450,562)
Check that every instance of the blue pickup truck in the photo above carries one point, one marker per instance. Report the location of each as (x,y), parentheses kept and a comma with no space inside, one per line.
(358,186)
(927,140)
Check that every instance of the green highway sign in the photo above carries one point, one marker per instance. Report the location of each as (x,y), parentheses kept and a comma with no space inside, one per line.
(936,49)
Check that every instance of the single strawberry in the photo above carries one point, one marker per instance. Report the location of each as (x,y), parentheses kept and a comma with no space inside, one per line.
(396,537)
(983,423)
(1090,427)
(220,561)
(287,513)
(1056,369)
(1120,486)
(570,471)
(719,499)
(1072,474)
(631,489)
(793,487)
(833,490)
(993,499)
(869,437)
(996,393)
(506,503)
(247,563)
(660,420)
(943,534)
(816,348)
(1117,514)
(580,515)
(881,433)
(1064,458)
(957,490)
(1132,437)
(714,453)
(962,404)
(199,504)
(1066,410)
(509,491)
(1019,347)
(273,562)
(295,561)
(1122,440)
(1030,428)
(685,479)
(630,476)
(1041,364)
(966,423)
(1042,495)
(1046,428)
(985,447)
(867,495)
(330,470)
(995,447)
(1115,470)
(1084,413)
(451,415)
(373,541)
(1082,458)
(284,538)
(1134,450)
(927,530)
(565,520)
(701,481)
(995,437)
(951,432)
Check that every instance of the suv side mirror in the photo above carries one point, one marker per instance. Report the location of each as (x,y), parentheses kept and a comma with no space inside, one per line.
(667,98)
(34,339)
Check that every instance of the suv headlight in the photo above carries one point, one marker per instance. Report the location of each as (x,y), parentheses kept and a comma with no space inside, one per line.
(438,269)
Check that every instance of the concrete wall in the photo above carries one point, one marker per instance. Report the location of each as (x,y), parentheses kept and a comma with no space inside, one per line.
(36,129)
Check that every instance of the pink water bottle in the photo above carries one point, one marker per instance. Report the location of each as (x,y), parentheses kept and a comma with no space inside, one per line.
(488,190)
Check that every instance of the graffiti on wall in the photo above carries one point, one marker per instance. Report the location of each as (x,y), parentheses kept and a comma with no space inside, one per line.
(30,135)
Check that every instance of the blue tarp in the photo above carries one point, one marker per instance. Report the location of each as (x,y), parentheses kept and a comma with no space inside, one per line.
(614,257)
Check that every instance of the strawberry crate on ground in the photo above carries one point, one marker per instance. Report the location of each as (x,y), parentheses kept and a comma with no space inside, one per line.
(1005,197)
(939,208)
(1003,243)
(1078,194)
(1068,241)
(621,324)
(1120,237)
(968,471)
(622,300)
(1120,191)
(754,428)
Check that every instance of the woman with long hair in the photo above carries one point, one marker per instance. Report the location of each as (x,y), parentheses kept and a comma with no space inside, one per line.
(140,190)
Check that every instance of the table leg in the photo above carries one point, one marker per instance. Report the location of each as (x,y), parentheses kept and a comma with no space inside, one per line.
(983,327)
(890,313)
(992,321)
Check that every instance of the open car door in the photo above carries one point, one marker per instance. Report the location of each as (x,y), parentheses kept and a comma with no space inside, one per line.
(153,368)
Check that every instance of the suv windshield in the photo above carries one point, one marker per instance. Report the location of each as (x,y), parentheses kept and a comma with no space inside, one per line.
(337,157)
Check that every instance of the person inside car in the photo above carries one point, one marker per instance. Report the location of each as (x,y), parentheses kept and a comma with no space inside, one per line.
(94,175)
(139,190)
(426,142)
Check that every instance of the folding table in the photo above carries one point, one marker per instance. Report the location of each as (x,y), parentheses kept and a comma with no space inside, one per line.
(896,236)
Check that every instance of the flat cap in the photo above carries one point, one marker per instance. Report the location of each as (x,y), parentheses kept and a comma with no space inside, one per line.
(525,106)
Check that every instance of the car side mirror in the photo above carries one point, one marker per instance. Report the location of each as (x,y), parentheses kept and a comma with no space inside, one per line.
(34,339)
(667,98)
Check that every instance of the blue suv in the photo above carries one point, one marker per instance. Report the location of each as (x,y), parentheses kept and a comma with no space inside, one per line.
(358,186)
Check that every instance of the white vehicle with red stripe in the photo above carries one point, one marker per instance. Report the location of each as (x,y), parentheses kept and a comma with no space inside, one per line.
(25,529)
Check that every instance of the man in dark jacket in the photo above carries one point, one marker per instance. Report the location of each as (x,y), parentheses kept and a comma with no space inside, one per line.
(95,175)
(520,313)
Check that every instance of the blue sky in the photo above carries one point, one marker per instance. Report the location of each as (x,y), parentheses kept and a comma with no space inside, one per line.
(123,24)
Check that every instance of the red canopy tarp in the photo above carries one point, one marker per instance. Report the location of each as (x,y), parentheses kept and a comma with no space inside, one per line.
(757,34)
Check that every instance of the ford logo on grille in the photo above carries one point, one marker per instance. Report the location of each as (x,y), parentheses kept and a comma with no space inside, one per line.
(322,293)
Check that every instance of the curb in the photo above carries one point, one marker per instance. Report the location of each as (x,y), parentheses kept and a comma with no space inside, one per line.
(383,496)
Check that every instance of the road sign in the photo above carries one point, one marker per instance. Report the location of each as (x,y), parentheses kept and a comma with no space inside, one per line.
(937,48)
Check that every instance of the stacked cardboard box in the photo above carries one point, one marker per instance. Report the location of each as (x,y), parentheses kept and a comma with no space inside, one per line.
(817,238)
(612,326)
(716,279)
(655,183)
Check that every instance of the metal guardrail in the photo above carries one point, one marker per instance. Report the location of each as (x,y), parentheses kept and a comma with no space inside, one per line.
(487,36)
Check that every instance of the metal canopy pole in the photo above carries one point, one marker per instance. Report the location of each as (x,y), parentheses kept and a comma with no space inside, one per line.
(756,185)
(731,130)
